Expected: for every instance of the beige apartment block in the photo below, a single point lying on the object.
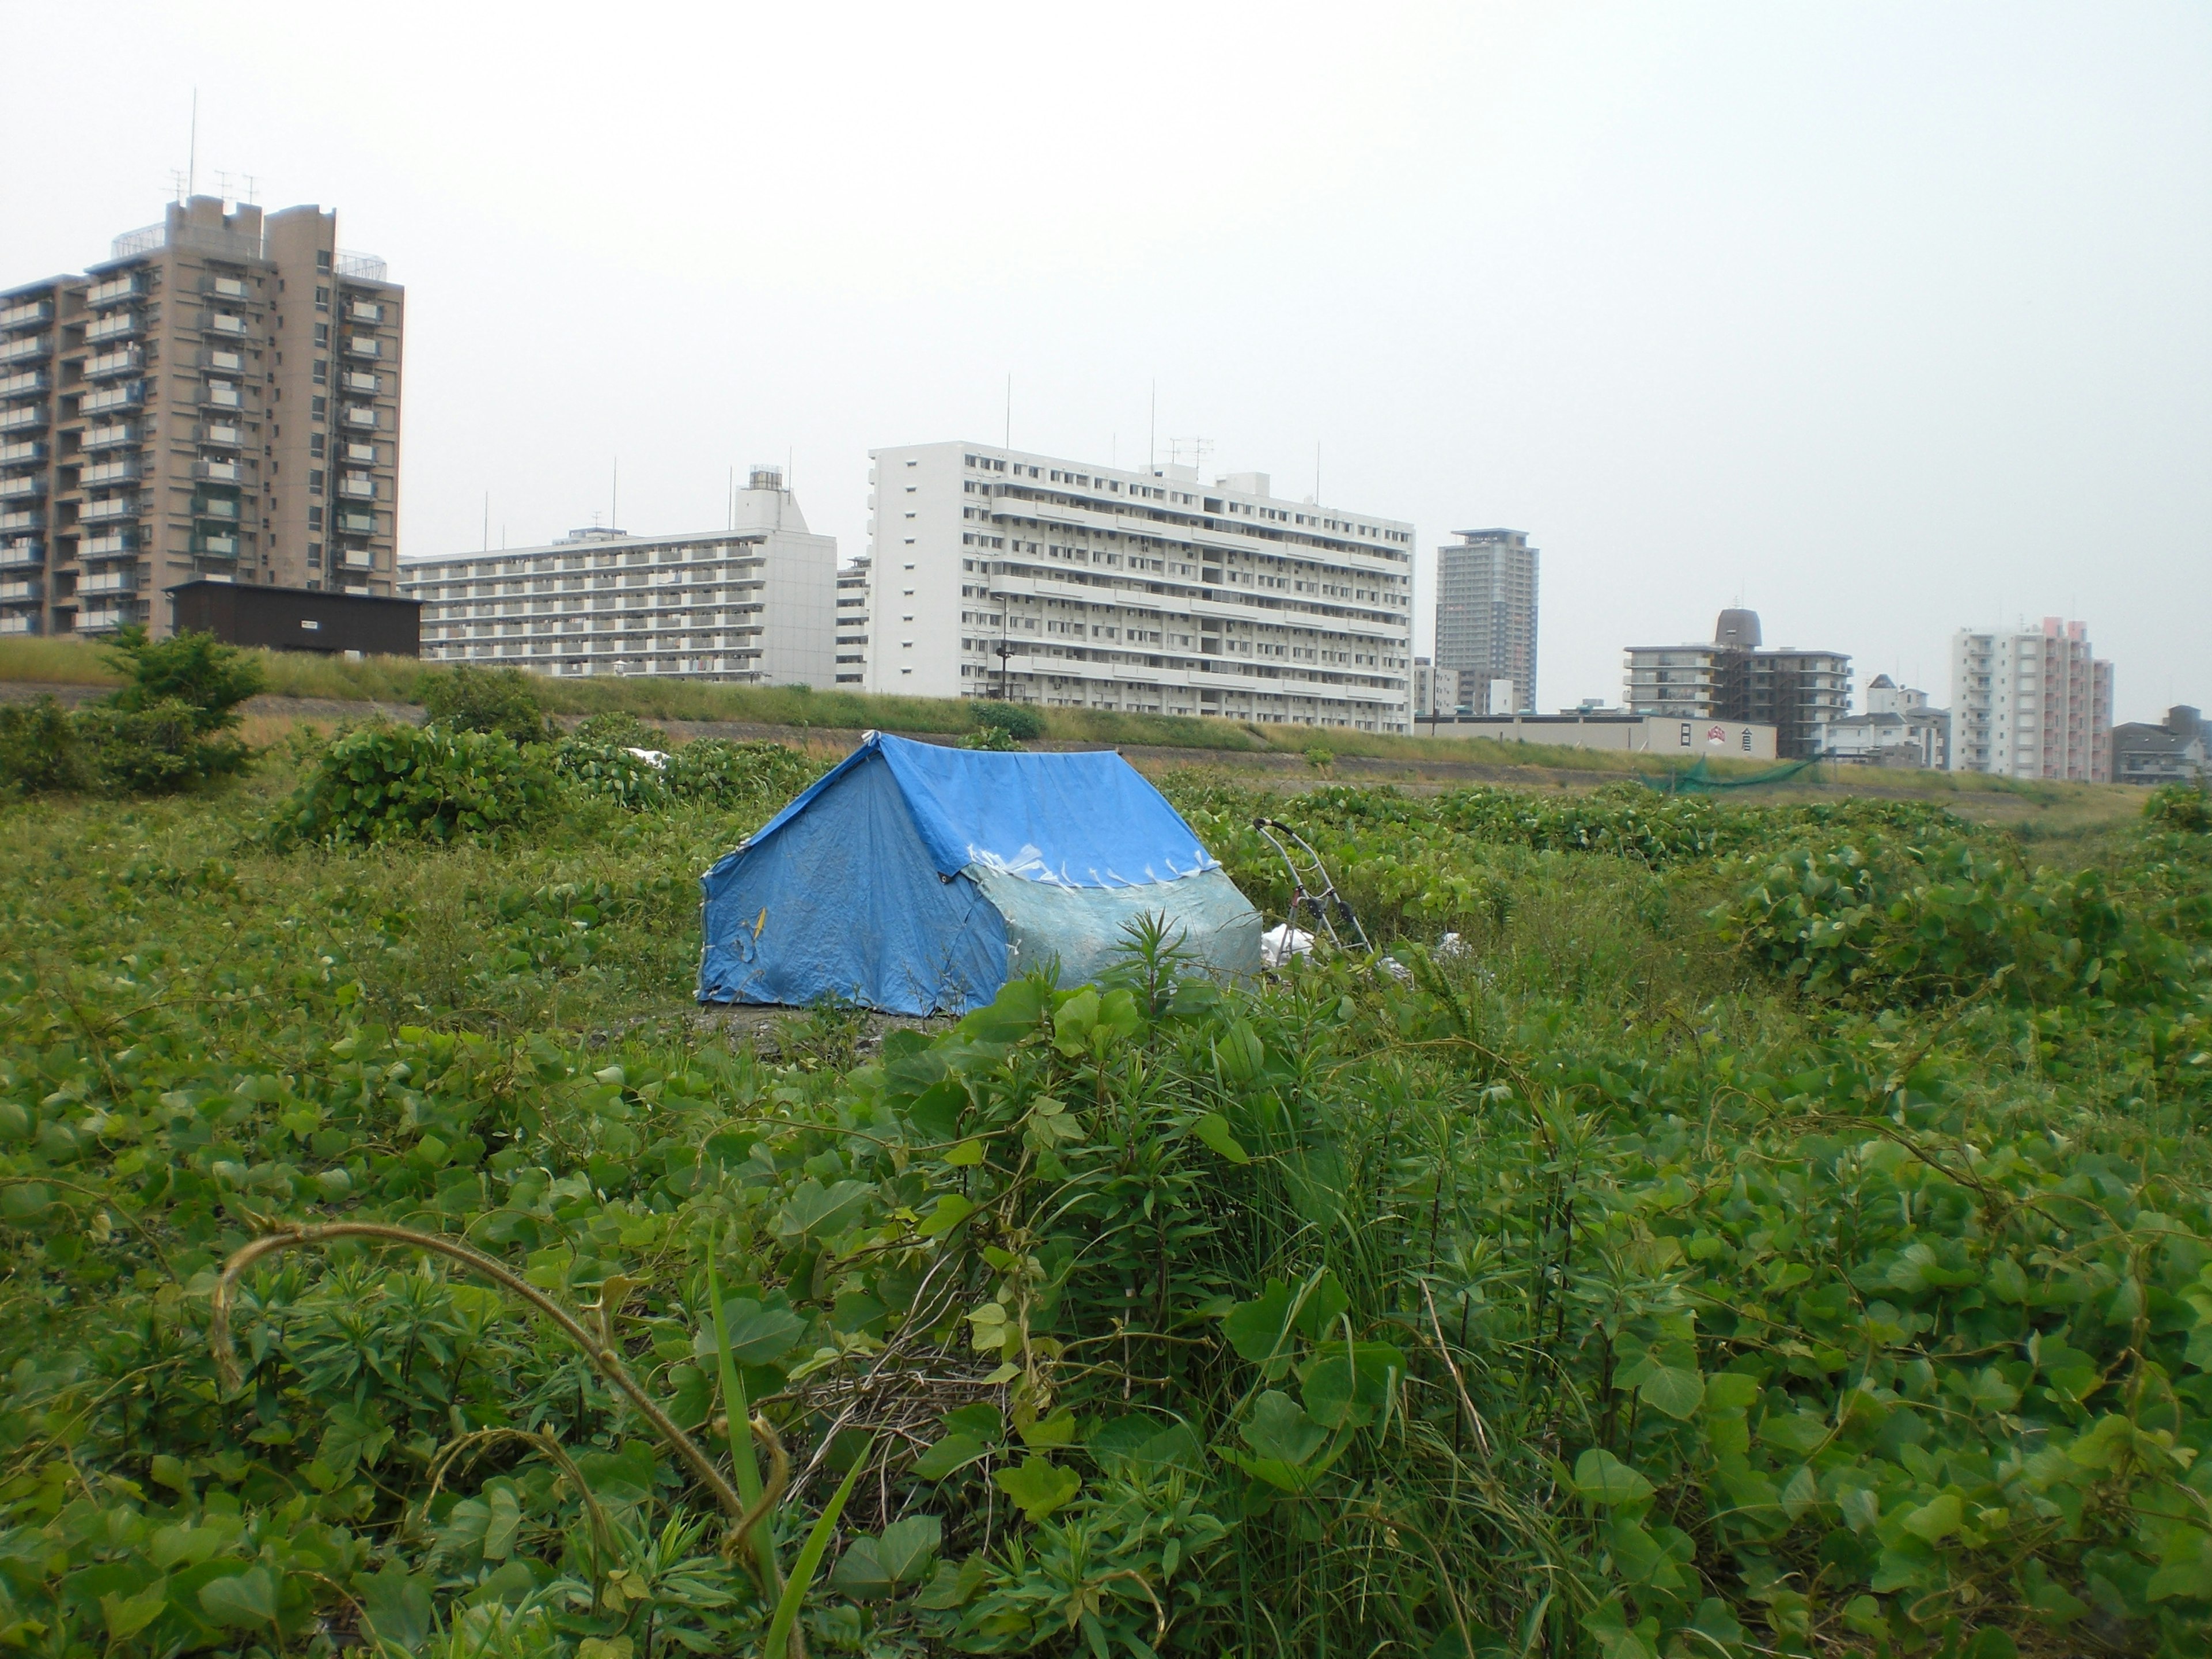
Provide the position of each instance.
(218, 399)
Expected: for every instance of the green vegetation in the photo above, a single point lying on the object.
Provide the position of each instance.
(1761, 1230)
(168, 726)
(503, 702)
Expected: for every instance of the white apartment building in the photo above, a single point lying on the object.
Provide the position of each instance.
(754, 603)
(853, 623)
(1058, 582)
(2031, 703)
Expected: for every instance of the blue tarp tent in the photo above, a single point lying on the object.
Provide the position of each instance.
(917, 879)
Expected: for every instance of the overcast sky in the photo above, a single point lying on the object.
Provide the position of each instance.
(1880, 320)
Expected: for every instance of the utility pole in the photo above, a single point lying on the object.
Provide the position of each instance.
(1005, 652)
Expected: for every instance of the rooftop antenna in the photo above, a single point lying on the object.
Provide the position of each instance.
(223, 184)
(177, 182)
(252, 189)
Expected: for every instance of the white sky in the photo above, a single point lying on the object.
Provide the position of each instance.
(1884, 319)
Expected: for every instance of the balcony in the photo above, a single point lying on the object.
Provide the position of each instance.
(116, 326)
(110, 436)
(21, 593)
(23, 452)
(110, 582)
(224, 361)
(24, 417)
(356, 558)
(353, 521)
(20, 622)
(107, 511)
(25, 383)
(107, 617)
(127, 396)
(361, 454)
(113, 364)
(23, 487)
(31, 314)
(24, 552)
(25, 348)
(23, 518)
(227, 288)
(357, 486)
(216, 544)
(228, 472)
(221, 432)
(114, 291)
(226, 322)
(363, 347)
(364, 311)
(356, 381)
(360, 418)
(123, 469)
(221, 394)
(109, 545)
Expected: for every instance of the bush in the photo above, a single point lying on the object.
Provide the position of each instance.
(611, 770)
(164, 730)
(2180, 806)
(494, 700)
(377, 783)
(991, 737)
(194, 671)
(39, 749)
(621, 729)
(732, 774)
(1016, 719)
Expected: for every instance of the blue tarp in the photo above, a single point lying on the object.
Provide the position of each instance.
(901, 879)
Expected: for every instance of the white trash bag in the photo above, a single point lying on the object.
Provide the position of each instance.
(1280, 942)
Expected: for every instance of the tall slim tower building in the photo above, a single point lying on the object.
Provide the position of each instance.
(1486, 616)
(220, 397)
(2031, 703)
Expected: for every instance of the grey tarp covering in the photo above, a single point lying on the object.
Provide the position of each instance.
(1083, 928)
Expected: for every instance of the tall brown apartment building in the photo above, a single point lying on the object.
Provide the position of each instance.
(219, 398)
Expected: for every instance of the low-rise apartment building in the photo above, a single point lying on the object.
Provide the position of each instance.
(2031, 703)
(755, 603)
(998, 571)
(2179, 750)
(1897, 728)
(1797, 692)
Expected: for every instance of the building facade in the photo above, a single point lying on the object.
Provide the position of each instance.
(1897, 728)
(753, 605)
(2031, 703)
(853, 623)
(2178, 751)
(994, 571)
(1637, 734)
(1486, 618)
(1798, 693)
(219, 399)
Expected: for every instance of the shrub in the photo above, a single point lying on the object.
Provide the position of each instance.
(2180, 806)
(376, 782)
(493, 700)
(621, 729)
(157, 748)
(1015, 719)
(611, 770)
(991, 737)
(39, 749)
(729, 773)
(194, 671)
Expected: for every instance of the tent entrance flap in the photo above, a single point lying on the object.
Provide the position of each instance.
(1084, 929)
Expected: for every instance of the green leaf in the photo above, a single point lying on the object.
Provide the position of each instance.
(1278, 1429)
(936, 1112)
(1325, 1304)
(1936, 1519)
(1672, 1390)
(1346, 1386)
(981, 1419)
(1602, 1479)
(353, 1435)
(949, 1456)
(399, 1607)
(757, 1335)
(820, 1213)
(810, 1557)
(1213, 1130)
(244, 1598)
(1239, 1052)
(625, 1477)
(1254, 1329)
(951, 1210)
(126, 1616)
(968, 1155)
(1038, 1487)
(1048, 1432)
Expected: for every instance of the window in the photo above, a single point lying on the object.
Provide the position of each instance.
(315, 515)
(322, 299)
(322, 373)
(322, 334)
(322, 262)
(318, 407)
(315, 482)
(316, 441)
